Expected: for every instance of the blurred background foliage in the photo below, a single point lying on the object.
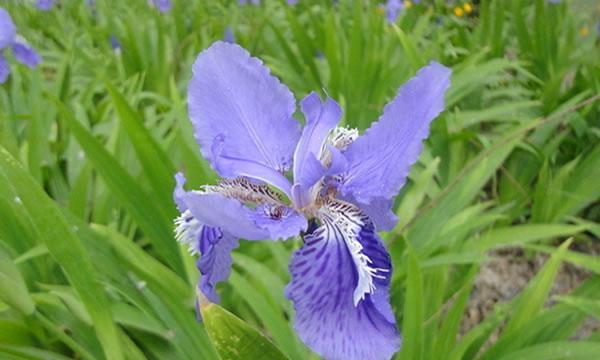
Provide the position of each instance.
(90, 140)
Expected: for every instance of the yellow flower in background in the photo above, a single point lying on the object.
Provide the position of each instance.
(468, 8)
(584, 31)
(458, 11)
(407, 4)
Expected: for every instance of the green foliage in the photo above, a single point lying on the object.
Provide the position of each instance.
(91, 139)
(233, 338)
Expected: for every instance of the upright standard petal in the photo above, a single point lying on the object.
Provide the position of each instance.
(232, 96)
(4, 69)
(25, 54)
(392, 10)
(162, 5)
(7, 29)
(115, 44)
(228, 35)
(340, 281)
(321, 118)
(45, 4)
(380, 160)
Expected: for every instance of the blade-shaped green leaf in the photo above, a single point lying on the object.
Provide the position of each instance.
(142, 207)
(233, 338)
(65, 248)
(157, 165)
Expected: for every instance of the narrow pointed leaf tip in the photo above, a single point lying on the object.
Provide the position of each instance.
(235, 339)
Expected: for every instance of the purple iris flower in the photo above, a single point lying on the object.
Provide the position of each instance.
(341, 194)
(392, 10)
(228, 35)
(115, 44)
(9, 38)
(45, 4)
(292, 2)
(162, 5)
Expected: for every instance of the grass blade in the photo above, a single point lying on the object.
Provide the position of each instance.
(66, 249)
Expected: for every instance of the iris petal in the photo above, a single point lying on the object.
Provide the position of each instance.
(7, 29)
(163, 5)
(280, 221)
(321, 118)
(45, 4)
(380, 160)
(222, 206)
(379, 210)
(218, 211)
(229, 214)
(340, 281)
(25, 54)
(215, 261)
(4, 69)
(214, 247)
(230, 167)
(232, 95)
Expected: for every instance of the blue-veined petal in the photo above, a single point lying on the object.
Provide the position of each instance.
(4, 69)
(321, 118)
(233, 95)
(340, 281)
(215, 260)
(7, 29)
(25, 54)
(380, 160)
(379, 210)
(214, 247)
